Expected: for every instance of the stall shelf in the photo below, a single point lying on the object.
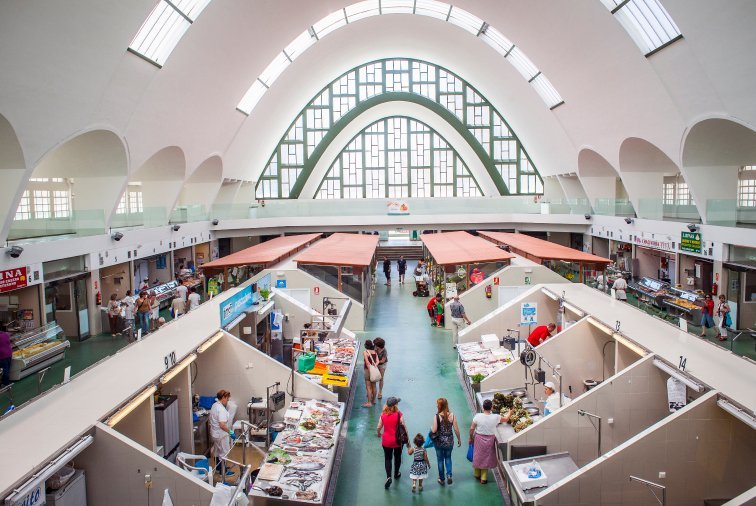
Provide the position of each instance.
(299, 465)
(687, 305)
(505, 431)
(475, 358)
(335, 363)
(554, 468)
(650, 289)
(36, 349)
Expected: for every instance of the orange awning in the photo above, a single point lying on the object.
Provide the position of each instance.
(460, 248)
(538, 249)
(356, 250)
(266, 253)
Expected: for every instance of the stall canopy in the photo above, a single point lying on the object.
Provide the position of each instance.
(356, 250)
(539, 250)
(266, 253)
(460, 248)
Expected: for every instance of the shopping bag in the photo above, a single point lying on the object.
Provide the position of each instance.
(428, 441)
(470, 452)
(727, 320)
(375, 373)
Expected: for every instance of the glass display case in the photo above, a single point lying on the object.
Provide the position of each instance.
(685, 304)
(650, 290)
(165, 293)
(36, 349)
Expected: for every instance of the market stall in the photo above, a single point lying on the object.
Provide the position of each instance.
(345, 262)
(458, 260)
(483, 358)
(684, 304)
(156, 269)
(299, 465)
(573, 264)
(237, 267)
(655, 259)
(649, 290)
(35, 349)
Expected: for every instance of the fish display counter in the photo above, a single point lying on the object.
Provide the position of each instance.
(299, 465)
(334, 366)
(481, 358)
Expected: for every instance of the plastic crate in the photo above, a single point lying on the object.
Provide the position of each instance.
(306, 361)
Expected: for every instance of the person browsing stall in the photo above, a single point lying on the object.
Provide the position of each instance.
(540, 334)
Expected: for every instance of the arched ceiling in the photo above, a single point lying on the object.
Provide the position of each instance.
(66, 71)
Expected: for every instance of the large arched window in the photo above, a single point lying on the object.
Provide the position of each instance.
(398, 157)
(398, 79)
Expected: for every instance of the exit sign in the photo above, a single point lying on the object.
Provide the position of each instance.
(690, 241)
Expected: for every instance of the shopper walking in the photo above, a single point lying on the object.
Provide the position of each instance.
(387, 270)
(401, 266)
(620, 289)
(707, 315)
(143, 311)
(127, 303)
(725, 321)
(388, 423)
(443, 439)
(458, 317)
(154, 310)
(380, 351)
(370, 358)
(420, 463)
(114, 311)
(483, 439)
(6, 357)
(193, 300)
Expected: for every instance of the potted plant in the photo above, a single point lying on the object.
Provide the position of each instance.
(264, 293)
(476, 379)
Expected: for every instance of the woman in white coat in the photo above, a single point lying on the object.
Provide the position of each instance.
(220, 430)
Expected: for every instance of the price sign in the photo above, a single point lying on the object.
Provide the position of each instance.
(335, 379)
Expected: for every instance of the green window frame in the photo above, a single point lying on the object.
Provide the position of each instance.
(291, 163)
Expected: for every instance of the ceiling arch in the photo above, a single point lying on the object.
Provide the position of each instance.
(12, 171)
(201, 188)
(161, 178)
(639, 155)
(592, 164)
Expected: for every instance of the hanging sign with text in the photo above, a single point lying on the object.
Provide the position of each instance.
(690, 241)
(13, 279)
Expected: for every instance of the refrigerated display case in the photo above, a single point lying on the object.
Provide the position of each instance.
(165, 293)
(684, 304)
(650, 289)
(36, 349)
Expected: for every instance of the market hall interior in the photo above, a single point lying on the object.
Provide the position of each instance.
(200, 202)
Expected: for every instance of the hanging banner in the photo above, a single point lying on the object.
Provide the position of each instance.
(397, 208)
(676, 394)
(235, 305)
(13, 279)
(690, 241)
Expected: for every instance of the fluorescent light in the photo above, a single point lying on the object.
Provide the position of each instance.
(207, 344)
(131, 406)
(676, 374)
(549, 294)
(575, 310)
(165, 378)
(629, 344)
(741, 414)
(604, 328)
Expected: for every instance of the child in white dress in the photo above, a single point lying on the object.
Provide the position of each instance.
(420, 463)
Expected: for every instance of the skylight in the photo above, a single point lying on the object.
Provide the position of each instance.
(164, 27)
(429, 8)
(646, 21)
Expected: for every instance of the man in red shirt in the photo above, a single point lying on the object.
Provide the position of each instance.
(540, 334)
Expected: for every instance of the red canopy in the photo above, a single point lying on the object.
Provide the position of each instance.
(356, 250)
(539, 250)
(460, 248)
(266, 253)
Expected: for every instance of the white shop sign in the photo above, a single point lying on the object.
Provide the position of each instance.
(528, 313)
(451, 290)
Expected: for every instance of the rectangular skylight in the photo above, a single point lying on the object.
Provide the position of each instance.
(432, 8)
(274, 69)
(465, 20)
(332, 22)
(397, 6)
(362, 10)
(522, 63)
(253, 95)
(646, 21)
(300, 45)
(496, 40)
(191, 8)
(547, 92)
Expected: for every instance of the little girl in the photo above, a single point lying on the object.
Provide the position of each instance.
(420, 464)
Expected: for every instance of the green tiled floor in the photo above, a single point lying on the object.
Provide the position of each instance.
(422, 367)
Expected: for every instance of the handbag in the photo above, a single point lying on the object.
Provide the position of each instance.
(470, 452)
(727, 320)
(429, 441)
(402, 438)
(434, 435)
(374, 374)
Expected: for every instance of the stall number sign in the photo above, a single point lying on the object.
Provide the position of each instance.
(169, 360)
(35, 497)
(13, 279)
(690, 241)
(528, 313)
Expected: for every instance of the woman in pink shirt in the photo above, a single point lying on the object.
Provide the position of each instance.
(388, 423)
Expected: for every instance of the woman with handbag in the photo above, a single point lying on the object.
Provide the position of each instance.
(393, 433)
(443, 439)
(725, 320)
(372, 373)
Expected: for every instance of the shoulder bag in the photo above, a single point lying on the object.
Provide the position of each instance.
(374, 374)
(402, 438)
